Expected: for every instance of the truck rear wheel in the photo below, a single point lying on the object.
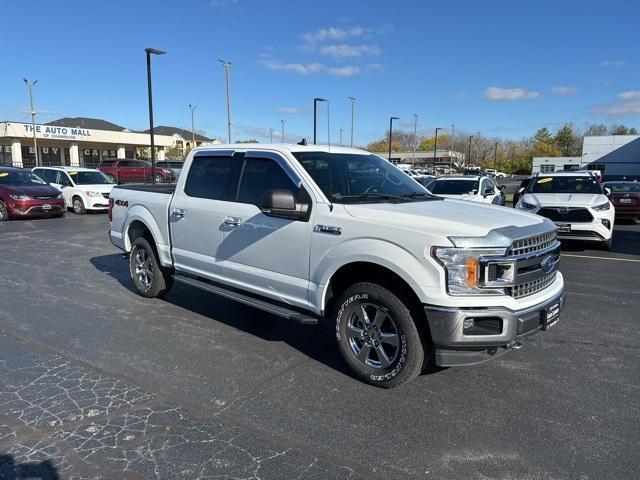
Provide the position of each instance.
(377, 335)
(149, 278)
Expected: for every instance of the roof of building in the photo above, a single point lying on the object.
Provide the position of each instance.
(90, 123)
(186, 134)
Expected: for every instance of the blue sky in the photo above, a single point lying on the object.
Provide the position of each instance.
(499, 67)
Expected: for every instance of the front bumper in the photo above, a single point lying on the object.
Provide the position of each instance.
(455, 348)
(36, 208)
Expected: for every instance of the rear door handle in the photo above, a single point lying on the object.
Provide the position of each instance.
(179, 212)
(232, 221)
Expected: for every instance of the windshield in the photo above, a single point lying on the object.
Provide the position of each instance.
(564, 185)
(17, 178)
(358, 178)
(623, 187)
(90, 178)
(454, 187)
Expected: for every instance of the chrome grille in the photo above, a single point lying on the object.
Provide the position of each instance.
(529, 288)
(532, 244)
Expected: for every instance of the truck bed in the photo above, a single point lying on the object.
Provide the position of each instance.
(146, 187)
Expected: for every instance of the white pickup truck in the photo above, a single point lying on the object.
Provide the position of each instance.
(311, 232)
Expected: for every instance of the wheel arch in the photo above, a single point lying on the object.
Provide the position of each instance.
(140, 222)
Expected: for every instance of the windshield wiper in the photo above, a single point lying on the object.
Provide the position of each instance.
(419, 194)
(373, 196)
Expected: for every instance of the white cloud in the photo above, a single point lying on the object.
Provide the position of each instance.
(288, 110)
(373, 67)
(333, 33)
(613, 63)
(628, 103)
(349, 51)
(564, 90)
(222, 3)
(301, 68)
(346, 71)
(508, 94)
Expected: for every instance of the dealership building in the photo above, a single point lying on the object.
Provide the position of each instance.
(84, 142)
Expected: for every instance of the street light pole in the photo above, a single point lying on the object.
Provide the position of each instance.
(391, 119)
(495, 159)
(282, 122)
(453, 133)
(469, 155)
(33, 118)
(353, 107)
(271, 134)
(340, 137)
(227, 68)
(415, 136)
(435, 147)
(149, 52)
(315, 112)
(193, 130)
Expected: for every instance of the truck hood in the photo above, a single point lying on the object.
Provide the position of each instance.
(444, 217)
(565, 199)
(463, 196)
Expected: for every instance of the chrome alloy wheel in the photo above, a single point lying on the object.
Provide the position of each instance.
(373, 336)
(143, 269)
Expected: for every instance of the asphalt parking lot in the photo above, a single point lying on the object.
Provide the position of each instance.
(98, 382)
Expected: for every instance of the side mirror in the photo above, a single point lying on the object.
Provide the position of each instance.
(488, 191)
(607, 191)
(282, 204)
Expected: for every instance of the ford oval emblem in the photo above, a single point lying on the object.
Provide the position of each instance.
(548, 263)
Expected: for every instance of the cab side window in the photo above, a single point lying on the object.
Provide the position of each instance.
(63, 180)
(210, 177)
(260, 175)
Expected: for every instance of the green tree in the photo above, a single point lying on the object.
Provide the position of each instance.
(622, 130)
(567, 141)
(543, 135)
(381, 146)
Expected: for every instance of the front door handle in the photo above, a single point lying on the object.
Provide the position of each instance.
(232, 221)
(179, 212)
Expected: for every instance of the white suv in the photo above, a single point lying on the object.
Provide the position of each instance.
(82, 188)
(475, 188)
(575, 201)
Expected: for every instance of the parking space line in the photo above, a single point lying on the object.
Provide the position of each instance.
(601, 258)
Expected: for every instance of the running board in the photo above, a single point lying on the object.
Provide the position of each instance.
(278, 310)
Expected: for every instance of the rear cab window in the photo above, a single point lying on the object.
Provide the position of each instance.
(211, 177)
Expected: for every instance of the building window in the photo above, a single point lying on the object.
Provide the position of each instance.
(6, 159)
(90, 157)
(547, 168)
(28, 157)
(50, 156)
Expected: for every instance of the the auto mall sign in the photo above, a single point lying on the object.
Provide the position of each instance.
(57, 133)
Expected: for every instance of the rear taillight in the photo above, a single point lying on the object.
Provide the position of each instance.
(110, 208)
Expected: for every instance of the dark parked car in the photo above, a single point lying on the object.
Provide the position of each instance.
(125, 170)
(625, 196)
(175, 166)
(24, 194)
(518, 193)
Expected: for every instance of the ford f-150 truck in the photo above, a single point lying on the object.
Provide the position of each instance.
(313, 232)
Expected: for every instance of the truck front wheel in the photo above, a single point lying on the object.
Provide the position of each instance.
(149, 278)
(377, 335)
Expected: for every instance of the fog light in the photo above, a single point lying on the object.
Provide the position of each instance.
(606, 223)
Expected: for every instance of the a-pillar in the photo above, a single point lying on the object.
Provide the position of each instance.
(74, 156)
(121, 153)
(16, 153)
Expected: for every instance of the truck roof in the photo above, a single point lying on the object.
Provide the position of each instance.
(283, 148)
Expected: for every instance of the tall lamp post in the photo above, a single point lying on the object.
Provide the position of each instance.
(469, 154)
(271, 134)
(453, 133)
(227, 68)
(353, 107)
(149, 52)
(435, 147)
(33, 118)
(391, 119)
(341, 137)
(193, 129)
(315, 112)
(495, 158)
(282, 122)
(415, 136)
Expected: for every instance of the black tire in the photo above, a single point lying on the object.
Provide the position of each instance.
(4, 214)
(149, 278)
(402, 357)
(159, 179)
(78, 206)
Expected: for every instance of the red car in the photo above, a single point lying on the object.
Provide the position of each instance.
(24, 194)
(125, 170)
(625, 196)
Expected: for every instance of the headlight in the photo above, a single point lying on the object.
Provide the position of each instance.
(603, 207)
(93, 194)
(527, 206)
(20, 197)
(463, 269)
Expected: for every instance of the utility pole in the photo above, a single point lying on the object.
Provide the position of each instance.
(227, 68)
(149, 52)
(282, 122)
(315, 115)
(453, 132)
(495, 159)
(469, 155)
(353, 107)
(193, 130)
(33, 118)
(271, 134)
(435, 147)
(340, 137)
(415, 137)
